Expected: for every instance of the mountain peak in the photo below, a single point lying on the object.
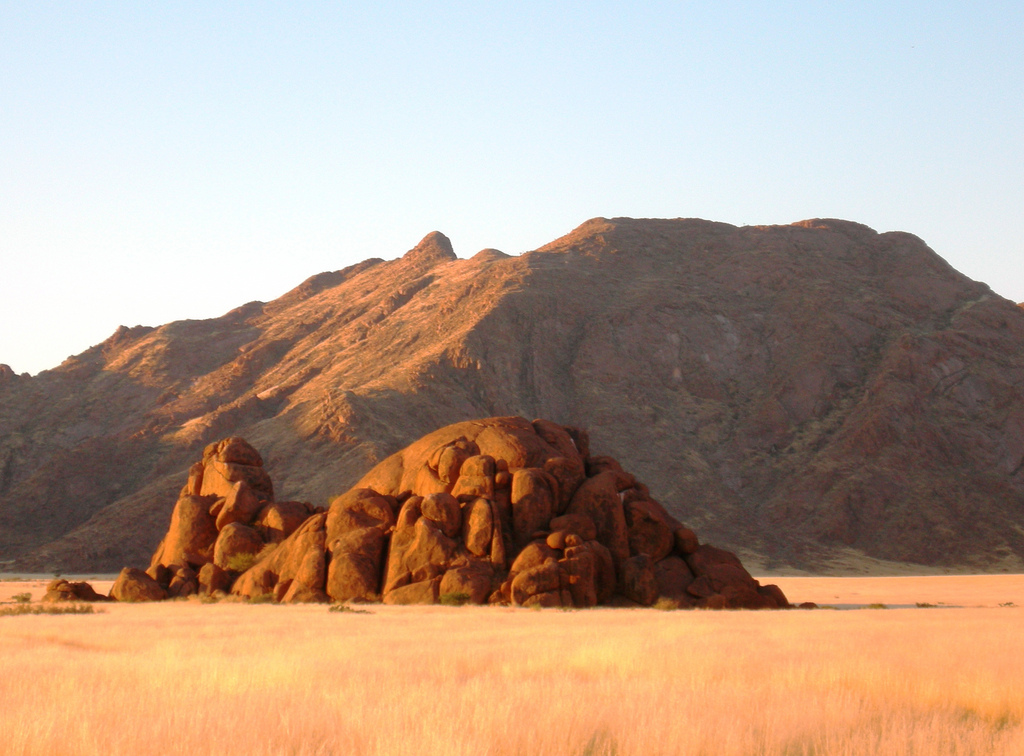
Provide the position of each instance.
(433, 246)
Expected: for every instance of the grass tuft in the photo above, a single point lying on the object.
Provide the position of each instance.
(455, 598)
(261, 598)
(21, 609)
(347, 609)
(601, 743)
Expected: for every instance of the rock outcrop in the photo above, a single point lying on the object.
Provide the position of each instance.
(812, 394)
(64, 590)
(224, 521)
(500, 510)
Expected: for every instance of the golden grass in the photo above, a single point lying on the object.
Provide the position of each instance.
(184, 677)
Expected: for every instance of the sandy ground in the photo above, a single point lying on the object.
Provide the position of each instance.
(12, 585)
(904, 591)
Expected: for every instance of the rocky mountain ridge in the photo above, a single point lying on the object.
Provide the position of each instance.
(795, 392)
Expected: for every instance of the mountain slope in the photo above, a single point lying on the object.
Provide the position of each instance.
(831, 387)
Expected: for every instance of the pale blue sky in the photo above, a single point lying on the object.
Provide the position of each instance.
(168, 161)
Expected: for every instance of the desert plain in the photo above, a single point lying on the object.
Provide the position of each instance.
(939, 670)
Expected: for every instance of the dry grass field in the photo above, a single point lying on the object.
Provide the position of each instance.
(191, 678)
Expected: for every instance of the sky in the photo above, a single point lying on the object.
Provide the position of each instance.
(163, 161)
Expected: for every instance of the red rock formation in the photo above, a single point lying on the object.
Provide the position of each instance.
(425, 526)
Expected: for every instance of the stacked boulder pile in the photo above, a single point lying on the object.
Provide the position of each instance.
(224, 519)
(500, 511)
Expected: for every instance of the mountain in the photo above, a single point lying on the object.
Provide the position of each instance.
(806, 394)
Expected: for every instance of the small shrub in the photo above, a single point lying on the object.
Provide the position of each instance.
(20, 609)
(262, 598)
(456, 598)
(924, 605)
(1008, 605)
(22, 598)
(241, 562)
(601, 743)
(666, 604)
(877, 606)
(347, 609)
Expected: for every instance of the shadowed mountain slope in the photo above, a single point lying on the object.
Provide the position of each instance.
(797, 392)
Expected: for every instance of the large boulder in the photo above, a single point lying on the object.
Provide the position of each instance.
(719, 573)
(569, 467)
(307, 584)
(444, 512)
(355, 566)
(359, 508)
(580, 567)
(476, 478)
(704, 558)
(240, 505)
(64, 590)
(546, 578)
(533, 555)
(775, 595)
(598, 499)
(447, 460)
(238, 451)
(135, 585)
(296, 557)
(231, 461)
(672, 576)
(534, 502)
(472, 580)
(237, 547)
(650, 531)
(605, 578)
(420, 552)
(511, 440)
(478, 527)
(183, 581)
(638, 580)
(420, 592)
(191, 535)
(212, 580)
(278, 520)
(580, 524)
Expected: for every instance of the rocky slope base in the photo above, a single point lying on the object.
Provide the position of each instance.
(500, 511)
(795, 392)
